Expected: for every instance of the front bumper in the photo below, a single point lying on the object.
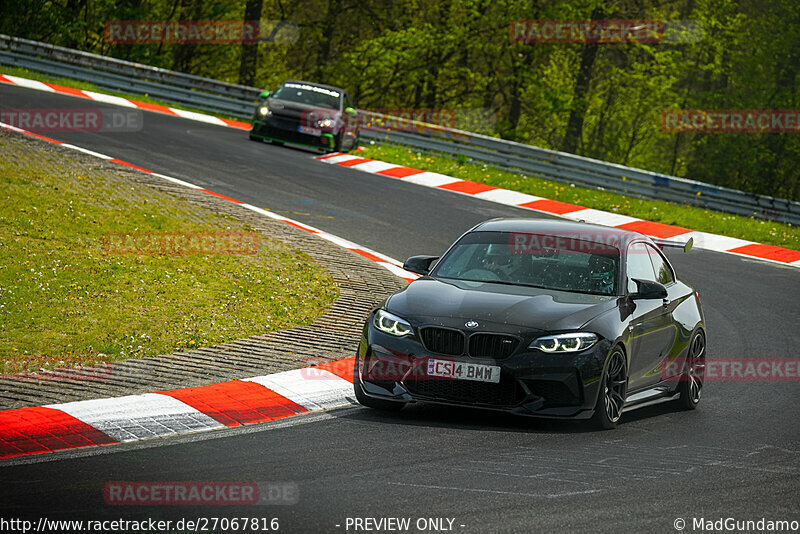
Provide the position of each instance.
(531, 383)
(276, 128)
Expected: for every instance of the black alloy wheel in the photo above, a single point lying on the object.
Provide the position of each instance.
(691, 386)
(613, 386)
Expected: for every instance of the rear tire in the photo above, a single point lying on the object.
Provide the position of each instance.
(277, 143)
(613, 387)
(691, 383)
(369, 402)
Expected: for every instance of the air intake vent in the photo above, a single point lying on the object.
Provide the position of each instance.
(506, 393)
(495, 346)
(443, 341)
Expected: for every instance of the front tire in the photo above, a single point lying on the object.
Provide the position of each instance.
(369, 402)
(691, 385)
(613, 387)
(338, 142)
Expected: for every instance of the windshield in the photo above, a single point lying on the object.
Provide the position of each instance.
(309, 94)
(526, 259)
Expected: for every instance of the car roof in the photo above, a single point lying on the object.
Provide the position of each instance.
(562, 228)
(322, 85)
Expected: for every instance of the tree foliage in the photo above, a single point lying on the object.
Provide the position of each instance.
(599, 100)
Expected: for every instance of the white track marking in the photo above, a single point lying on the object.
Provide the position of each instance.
(375, 166)
(315, 389)
(341, 157)
(87, 151)
(430, 179)
(30, 84)
(505, 196)
(108, 99)
(176, 181)
(600, 217)
(202, 117)
(136, 417)
(719, 243)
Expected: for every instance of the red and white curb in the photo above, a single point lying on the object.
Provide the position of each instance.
(25, 431)
(119, 101)
(435, 180)
(41, 429)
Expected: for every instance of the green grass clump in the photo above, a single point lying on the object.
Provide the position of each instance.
(66, 299)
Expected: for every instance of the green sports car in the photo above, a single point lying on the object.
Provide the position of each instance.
(305, 113)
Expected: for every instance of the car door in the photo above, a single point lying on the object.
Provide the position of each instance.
(666, 276)
(652, 332)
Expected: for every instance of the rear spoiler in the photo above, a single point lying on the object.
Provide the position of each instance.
(686, 246)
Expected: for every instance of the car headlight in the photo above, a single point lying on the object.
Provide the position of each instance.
(574, 342)
(263, 110)
(325, 123)
(391, 324)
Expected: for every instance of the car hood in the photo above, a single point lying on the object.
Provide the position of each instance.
(452, 302)
(296, 109)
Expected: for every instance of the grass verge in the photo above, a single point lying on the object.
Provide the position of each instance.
(76, 84)
(750, 228)
(65, 298)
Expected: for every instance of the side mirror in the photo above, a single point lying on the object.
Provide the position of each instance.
(265, 94)
(647, 289)
(419, 264)
(350, 110)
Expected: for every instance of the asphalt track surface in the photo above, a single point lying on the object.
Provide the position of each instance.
(737, 456)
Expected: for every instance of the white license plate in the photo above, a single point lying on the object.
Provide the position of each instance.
(464, 371)
(309, 131)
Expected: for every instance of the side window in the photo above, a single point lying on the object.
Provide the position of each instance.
(663, 272)
(639, 265)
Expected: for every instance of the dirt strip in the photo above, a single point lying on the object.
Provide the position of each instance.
(335, 335)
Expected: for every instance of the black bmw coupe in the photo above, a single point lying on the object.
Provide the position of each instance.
(541, 318)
